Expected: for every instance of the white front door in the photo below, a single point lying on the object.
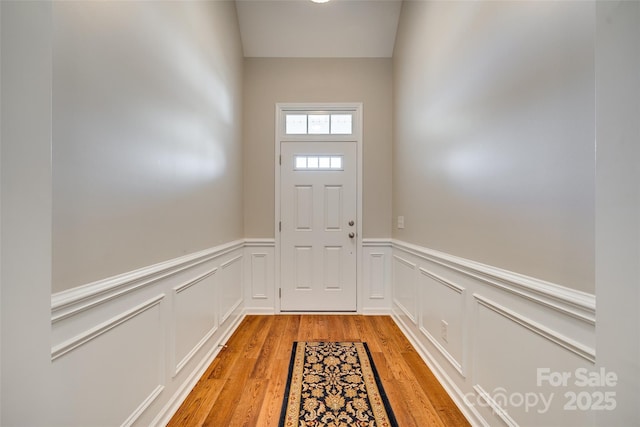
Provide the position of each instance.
(318, 212)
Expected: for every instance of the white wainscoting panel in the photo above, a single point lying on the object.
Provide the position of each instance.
(94, 372)
(128, 349)
(509, 352)
(260, 291)
(405, 287)
(194, 320)
(442, 316)
(376, 276)
(230, 295)
(502, 330)
(258, 268)
(259, 276)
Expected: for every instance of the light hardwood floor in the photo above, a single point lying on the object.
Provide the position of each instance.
(244, 385)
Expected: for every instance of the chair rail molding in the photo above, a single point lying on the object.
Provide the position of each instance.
(578, 304)
(71, 302)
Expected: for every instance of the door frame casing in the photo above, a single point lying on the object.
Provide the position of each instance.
(281, 109)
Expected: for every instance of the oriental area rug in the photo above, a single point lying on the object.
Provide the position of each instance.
(334, 384)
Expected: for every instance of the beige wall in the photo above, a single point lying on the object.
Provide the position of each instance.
(147, 151)
(25, 213)
(618, 204)
(272, 80)
(494, 147)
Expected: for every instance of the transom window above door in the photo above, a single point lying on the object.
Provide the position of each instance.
(318, 123)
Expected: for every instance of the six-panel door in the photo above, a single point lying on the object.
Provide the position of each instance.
(318, 237)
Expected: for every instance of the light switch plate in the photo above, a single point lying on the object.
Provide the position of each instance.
(401, 222)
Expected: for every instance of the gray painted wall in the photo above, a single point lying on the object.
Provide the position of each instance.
(147, 150)
(272, 80)
(618, 204)
(517, 123)
(25, 269)
(494, 143)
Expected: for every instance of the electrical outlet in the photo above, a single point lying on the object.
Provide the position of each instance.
(400, 222)
(443, 330)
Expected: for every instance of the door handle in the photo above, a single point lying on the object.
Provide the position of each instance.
(352, 235)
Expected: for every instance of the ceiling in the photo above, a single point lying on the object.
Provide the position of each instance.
(303, 29)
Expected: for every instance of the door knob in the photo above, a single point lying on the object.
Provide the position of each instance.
(351, 223)
(352, 235)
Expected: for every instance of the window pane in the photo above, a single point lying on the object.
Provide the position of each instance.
(296, 124)
(301, 162)
(324, 162)
(341, 124)
(318, 123)
(318, 163)
(312, 162)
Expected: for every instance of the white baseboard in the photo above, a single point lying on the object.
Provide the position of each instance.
(376, 312)
(259, 311)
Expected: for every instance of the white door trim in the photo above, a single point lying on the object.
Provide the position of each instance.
(357, 137)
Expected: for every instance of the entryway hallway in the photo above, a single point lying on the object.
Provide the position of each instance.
(244, 386)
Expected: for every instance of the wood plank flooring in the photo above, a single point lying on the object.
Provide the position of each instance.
(244, 385)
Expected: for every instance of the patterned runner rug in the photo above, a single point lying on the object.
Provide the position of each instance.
(334, 384)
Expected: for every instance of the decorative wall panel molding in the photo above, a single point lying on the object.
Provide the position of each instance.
(374, 292)
(570, 302)
(194, 323)
(185, 308)
(510, 354)
(230, 296)
(488, 400)
(143, 406)
(121, 361)
(376, 276)
(141, 340)
(587, 353)
(405, 289)
(73, 301)
(259, 276)
(442, 317)
(486, 331)
(95, 332)
(258, 279)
